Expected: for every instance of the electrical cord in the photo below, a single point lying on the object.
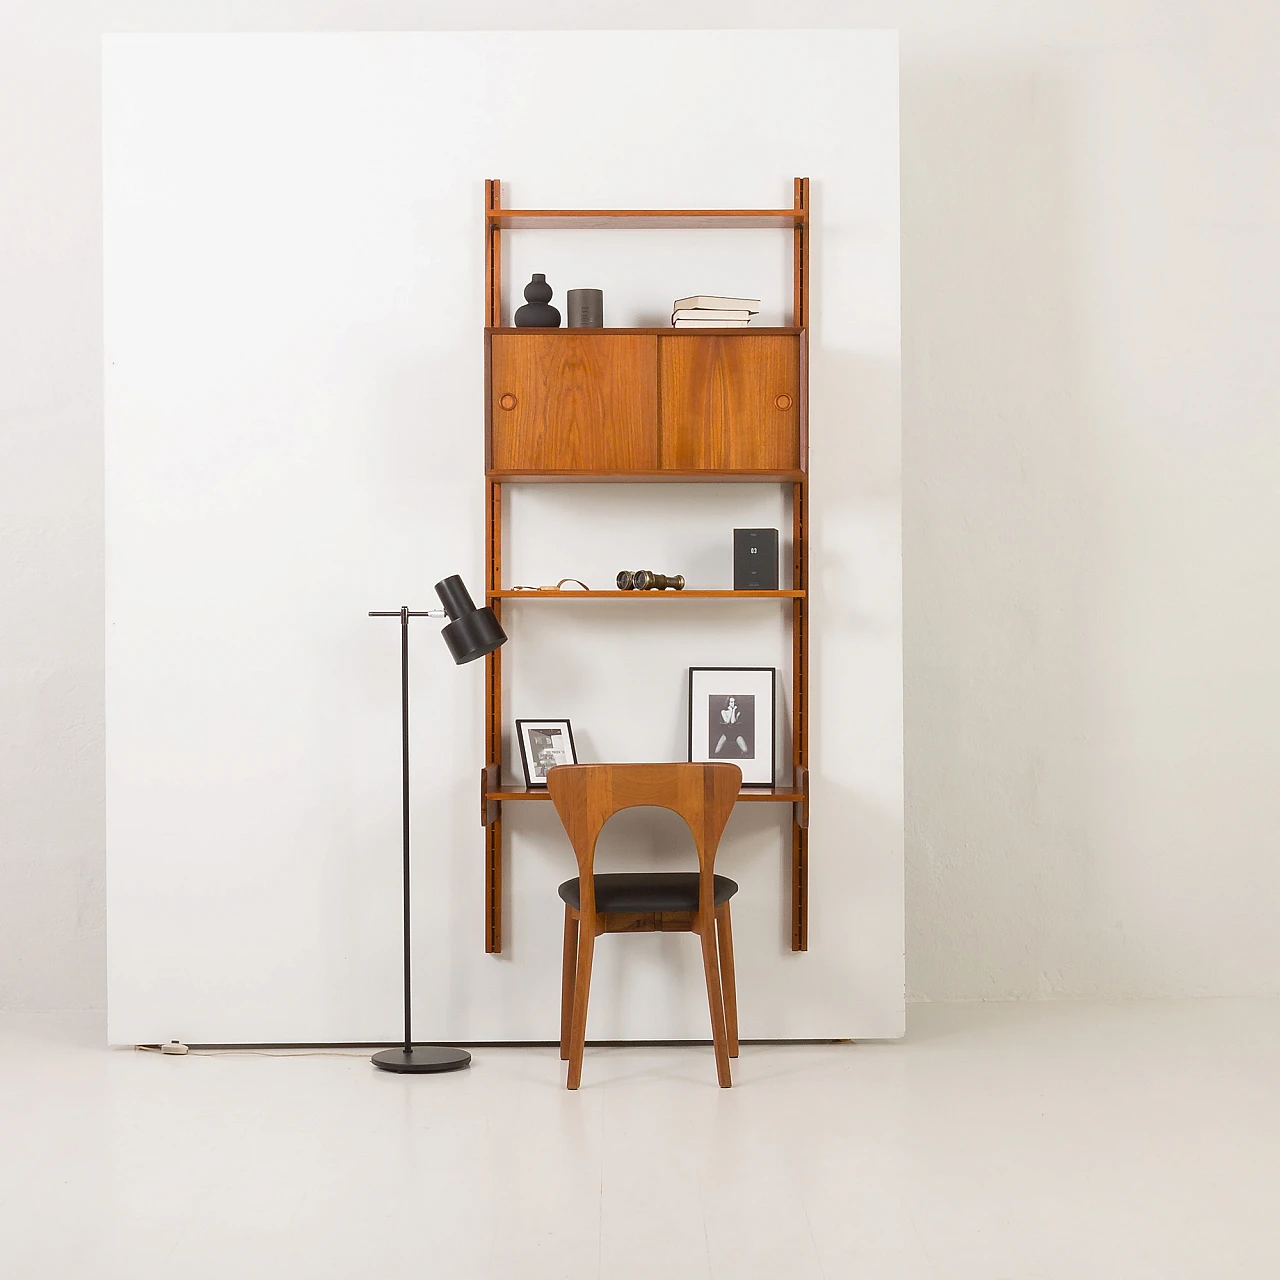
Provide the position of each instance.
(183, 1050)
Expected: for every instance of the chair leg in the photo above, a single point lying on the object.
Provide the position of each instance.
(569, 972)
(715, 1000)
(724, 938)
(581, 992)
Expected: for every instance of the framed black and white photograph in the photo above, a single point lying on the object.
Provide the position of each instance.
(543, 745)
(732, 716)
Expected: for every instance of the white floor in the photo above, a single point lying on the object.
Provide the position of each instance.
(1027, 1142)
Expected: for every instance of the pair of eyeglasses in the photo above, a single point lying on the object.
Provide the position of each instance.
(559, 586)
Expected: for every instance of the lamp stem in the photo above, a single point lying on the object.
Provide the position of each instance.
(404, 762)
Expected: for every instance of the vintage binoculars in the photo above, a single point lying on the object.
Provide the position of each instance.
(646, 580)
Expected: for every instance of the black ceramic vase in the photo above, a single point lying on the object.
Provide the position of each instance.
(537, 313)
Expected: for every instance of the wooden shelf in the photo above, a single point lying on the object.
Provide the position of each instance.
(667, 331)
(687, 476)
(630, 595)
(780, 795)
(678, 219)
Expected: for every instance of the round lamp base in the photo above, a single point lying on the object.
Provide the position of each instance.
(421, 1059)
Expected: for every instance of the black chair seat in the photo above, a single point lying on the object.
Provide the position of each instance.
(647, 891)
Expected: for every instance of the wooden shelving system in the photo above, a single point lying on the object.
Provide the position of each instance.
(648, 404)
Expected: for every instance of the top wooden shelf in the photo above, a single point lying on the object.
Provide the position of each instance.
(665, 330)
(722, 219)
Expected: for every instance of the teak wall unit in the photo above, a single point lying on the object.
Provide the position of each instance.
(626, 405)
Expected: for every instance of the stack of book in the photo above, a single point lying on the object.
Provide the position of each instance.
(706, 312)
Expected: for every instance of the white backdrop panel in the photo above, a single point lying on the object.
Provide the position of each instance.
(294, 394)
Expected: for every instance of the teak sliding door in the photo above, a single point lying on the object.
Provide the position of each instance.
(574, 401)
(730, 402)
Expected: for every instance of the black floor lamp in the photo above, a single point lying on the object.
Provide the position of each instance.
(470, 634)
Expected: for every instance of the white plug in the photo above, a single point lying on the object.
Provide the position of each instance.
(174, 1046)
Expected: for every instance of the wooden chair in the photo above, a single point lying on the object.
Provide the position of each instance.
(586, 796)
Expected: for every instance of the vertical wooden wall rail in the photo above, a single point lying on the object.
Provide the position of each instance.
(492, 256)
(800, 581)
(493, 727)
(800, 257)
(800, 714)
(493, 582)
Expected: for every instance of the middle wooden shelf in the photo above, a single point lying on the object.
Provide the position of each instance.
(650, 595)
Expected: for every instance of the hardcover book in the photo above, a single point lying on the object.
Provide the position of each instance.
(710, 313)
(701, 301)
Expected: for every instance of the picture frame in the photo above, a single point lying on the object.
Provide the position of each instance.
(733, 716)
(544, 744)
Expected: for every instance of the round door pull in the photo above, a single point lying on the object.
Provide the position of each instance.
(507, 401)
(783, 401)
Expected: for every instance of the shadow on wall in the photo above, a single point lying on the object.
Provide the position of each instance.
(1002, 538)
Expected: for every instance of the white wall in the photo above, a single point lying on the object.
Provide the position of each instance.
(1089, 276)
(294, 405)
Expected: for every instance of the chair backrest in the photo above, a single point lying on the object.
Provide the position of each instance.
(586, 796)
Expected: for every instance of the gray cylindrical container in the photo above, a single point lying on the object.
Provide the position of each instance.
(584, 309)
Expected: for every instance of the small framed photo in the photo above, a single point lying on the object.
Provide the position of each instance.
(732, 717)
(544, 744)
